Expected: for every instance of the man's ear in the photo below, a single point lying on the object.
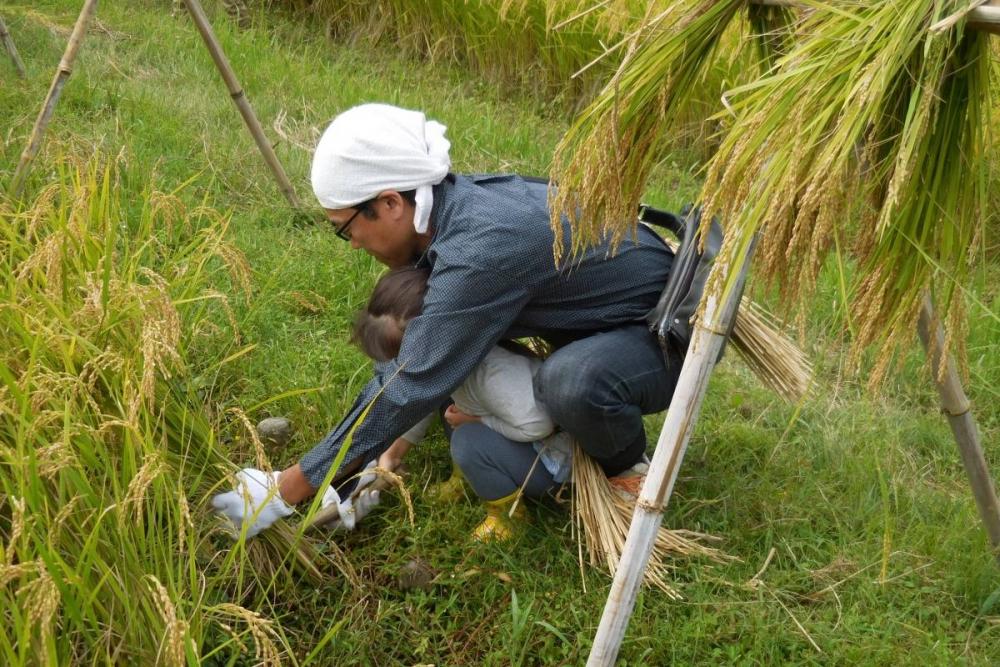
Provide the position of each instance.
(393, 200)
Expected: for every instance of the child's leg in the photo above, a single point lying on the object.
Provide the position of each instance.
(495, 466)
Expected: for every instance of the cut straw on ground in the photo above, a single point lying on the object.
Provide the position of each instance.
(602, 517)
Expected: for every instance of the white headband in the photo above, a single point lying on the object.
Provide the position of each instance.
(372, 148)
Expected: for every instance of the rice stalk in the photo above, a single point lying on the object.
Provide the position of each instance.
(873, 127)
(16, 528)
(135, 494)
(262, 461)
(40, 597)
(9, 573)
(262, 632)
(603, 517)
(173, 645)
(771, 29)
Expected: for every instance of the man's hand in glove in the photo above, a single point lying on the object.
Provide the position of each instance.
(355, 507)
(255, 501)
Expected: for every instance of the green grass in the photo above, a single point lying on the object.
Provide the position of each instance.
(878, 552)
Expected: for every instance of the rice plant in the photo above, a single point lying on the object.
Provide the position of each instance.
(109, 550)
(524, 44)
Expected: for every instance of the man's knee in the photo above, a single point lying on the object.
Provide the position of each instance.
(568, 387)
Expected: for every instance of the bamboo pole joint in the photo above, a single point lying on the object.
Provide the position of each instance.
(650, 506)
(956, 405)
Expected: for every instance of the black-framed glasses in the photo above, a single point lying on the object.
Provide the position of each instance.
(342, 230)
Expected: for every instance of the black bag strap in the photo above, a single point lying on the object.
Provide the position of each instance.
(670, 320)
(666, 219)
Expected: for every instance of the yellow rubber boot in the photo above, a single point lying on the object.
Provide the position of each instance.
(500, 523)
(451, 490)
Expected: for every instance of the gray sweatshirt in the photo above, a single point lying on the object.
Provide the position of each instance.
(500, 392)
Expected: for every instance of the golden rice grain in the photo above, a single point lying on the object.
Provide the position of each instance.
(172, 645)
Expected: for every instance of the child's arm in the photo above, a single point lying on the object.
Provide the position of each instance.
(392, 457)
(455, 417)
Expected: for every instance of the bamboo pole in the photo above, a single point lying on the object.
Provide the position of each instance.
(8, 43)
(674, 436)
(956, 406)
(48, 107)
(241, 101)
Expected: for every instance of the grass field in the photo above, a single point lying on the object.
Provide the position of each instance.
(855, 531)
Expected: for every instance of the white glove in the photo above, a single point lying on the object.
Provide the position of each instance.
(353, 508)
(255, 500)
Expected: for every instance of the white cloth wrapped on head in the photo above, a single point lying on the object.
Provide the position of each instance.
(371, 148)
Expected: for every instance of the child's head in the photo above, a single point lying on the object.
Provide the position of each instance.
(398, 297)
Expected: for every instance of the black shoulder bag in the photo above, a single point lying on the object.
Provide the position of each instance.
(670, 320)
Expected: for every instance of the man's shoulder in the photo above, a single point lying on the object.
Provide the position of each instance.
(511, 188)
(496, 216)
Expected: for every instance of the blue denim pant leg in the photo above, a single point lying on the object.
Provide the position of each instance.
(598, 388)
(495, 466)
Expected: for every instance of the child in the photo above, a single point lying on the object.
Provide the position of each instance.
(499, 428)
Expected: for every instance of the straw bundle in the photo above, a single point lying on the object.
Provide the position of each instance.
(776, 361)
(602, 517)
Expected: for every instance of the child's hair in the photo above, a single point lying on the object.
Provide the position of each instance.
(398, 297)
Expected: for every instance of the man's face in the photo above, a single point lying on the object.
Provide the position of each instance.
(385, 231)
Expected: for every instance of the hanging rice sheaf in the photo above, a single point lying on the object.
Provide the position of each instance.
(869, 134)
(865, 133)
(604, 161)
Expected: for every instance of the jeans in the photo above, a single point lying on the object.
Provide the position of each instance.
(495, 466)
(597, 389)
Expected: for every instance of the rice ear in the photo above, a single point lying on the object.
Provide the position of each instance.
(842, 146)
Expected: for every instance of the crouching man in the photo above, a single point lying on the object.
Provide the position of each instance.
(382, 174)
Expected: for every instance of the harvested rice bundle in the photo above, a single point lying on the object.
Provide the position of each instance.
(871, 133)
(772, 356)
(602, 516)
